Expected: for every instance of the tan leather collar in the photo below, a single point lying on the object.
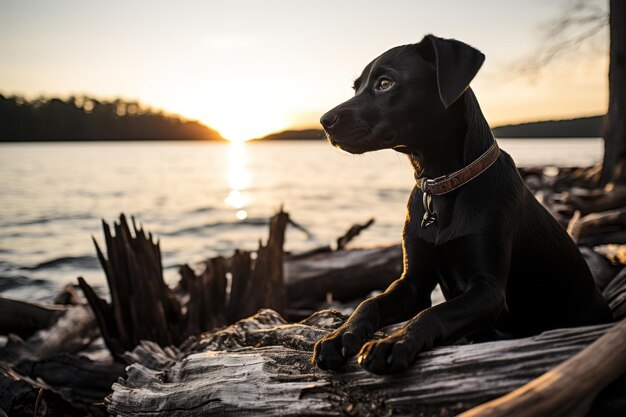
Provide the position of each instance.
(446, 183)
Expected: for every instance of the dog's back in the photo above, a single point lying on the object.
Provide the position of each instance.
(550, 285)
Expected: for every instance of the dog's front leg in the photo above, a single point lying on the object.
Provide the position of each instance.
(478, 307)
(402, 300)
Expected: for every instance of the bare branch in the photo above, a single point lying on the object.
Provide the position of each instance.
(579, 22)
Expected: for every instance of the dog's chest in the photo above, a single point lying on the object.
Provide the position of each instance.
(447, 225)
(452, 270)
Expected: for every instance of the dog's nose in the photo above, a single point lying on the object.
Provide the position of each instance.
(329, 120)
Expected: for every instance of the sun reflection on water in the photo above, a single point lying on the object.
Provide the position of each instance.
(238, 177)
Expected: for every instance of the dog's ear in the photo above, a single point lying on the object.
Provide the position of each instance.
(455, 63)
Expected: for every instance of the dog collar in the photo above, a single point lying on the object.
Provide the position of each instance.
(450, 182)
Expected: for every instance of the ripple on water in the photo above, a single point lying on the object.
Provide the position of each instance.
(80, 262)
(49, 219)
(202, 229)
(17, 281)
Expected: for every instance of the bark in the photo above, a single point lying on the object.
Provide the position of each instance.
(614, 163)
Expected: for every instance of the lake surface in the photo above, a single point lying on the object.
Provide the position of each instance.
(202, 199)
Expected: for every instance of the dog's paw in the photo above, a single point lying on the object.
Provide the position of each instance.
(388, 356)
(334, 350)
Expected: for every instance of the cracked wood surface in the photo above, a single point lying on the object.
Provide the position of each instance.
(261, 366)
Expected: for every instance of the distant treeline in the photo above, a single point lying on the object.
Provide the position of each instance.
(306, 134)
(87, 118)
(583, 127)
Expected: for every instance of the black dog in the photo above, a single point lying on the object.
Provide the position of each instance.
(504, 264)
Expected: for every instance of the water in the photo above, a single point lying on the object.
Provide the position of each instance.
(201, 199)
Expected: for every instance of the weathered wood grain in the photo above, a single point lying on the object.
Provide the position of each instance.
(142, 306)
(261, 366)
(615, 294)
(569, 389)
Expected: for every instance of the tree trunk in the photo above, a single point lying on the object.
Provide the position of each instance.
(614, 164)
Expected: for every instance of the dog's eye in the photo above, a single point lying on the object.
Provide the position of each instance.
(384, 84)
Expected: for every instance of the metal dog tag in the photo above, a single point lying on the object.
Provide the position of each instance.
(430, 216)
(428, 219)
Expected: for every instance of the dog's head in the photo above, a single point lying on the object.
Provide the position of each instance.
(401, 97)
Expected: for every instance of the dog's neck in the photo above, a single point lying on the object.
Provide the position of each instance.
(463, 136)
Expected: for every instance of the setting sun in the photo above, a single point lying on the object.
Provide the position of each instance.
(240, 108)
(254, 123)
(236, 117)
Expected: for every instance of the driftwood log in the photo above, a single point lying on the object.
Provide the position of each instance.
(24, 319)
(570, 388)
(46, 369)
(261, 366)
(74, 329)
(346, 274)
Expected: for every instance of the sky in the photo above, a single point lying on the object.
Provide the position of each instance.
(248, 68)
